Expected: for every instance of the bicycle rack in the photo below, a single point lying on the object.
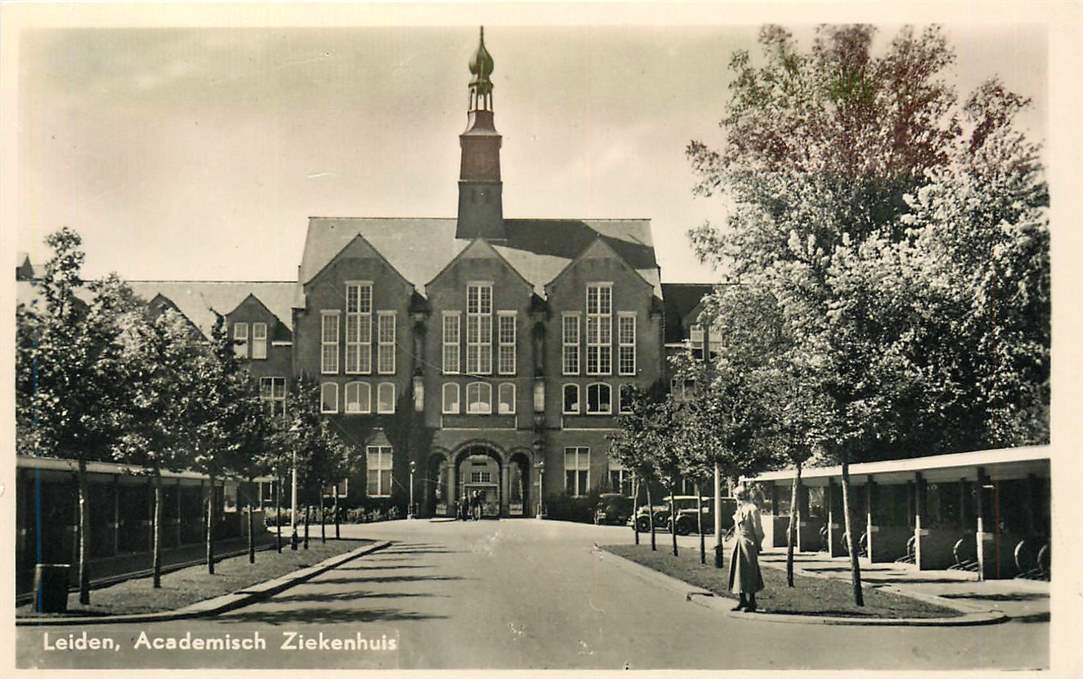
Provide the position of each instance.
(1031, 565)
(963, 549)
(911, 549)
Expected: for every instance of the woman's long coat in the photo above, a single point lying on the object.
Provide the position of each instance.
(745, 576)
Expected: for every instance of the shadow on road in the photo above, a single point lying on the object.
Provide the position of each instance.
(1014, 596)
(385, 578)
(326, 616)
(352, 596)
(378, 568)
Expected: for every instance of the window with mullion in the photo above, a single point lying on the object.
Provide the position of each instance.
(329, 342)
(626, 343)
(599, 328)
(378, 466)
(505, 335)
(570, 344)
(451, 343)
(577, 471)
(385, 338)
(359, 328)
(479, 328)
(240, 340)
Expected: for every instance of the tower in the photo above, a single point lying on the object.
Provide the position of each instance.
(481, 212)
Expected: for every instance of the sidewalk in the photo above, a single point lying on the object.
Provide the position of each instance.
(1021, 600)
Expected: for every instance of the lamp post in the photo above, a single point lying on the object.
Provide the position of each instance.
(293, 489)
(410, 511)
(541, 490)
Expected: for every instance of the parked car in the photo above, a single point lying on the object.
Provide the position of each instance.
(613, 508)
(686, 507)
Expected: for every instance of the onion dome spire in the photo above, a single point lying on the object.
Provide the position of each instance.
(481, 87)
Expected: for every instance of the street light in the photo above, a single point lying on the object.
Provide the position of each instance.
(293, 489)
(410, 512)
(541, 490)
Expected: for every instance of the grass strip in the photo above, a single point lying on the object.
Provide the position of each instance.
(193, 584)
(808, 596)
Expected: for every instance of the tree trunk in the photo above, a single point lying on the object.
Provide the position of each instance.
(855, 567)
(791, 532)
(323, 523)
(718, 533)
(699, 525)
(251, 527)
(156, 579)
(635, 499)
(84, 535)
(278, 513)
(334, 508)
(210, 527)
(673, 518)
(308, 512)
(650, 515)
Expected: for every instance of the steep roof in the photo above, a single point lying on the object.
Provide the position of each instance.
(539, 249)
(680, 299)
(198, 300)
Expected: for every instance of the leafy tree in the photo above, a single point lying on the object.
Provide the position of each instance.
(156, 353)
(895, 231)
(255, 434)
(633, 444)
(211, 412)
(67, 368)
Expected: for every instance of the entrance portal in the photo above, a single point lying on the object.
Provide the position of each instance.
(479, 474)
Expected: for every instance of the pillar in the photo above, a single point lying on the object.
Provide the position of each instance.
(872, 514)
(986, 551)
(920, 519)
(116, 514)
(836, 522)
(180, 514)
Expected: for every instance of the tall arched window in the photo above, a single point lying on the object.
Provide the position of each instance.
(599, 399)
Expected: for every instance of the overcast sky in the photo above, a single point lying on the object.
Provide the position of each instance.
(200, 153)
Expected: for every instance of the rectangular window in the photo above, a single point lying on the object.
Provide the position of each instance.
(626, 343)
(620, 479)
(577, 471)
(505, 335)
(479, 328)
(481, 477)
(627, 392)
(240, 340)
(385, 337)
(359, 328)
(328, 397)
(599, 328)
(385, 398)
(506, 398)
(272, 391)
(451, 343)
(358, 398)
(329, 342)
(570, 344)
(695, 337)
(479, 398)
(451, 399)
(571, 399)
(259, 340)
(599, 399)
(378, 466)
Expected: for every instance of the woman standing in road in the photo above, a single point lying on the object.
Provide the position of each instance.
(745, 577)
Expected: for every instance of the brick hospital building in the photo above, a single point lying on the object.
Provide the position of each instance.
(489, 353)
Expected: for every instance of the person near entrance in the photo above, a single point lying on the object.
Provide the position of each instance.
(745, 578)
(476, 501)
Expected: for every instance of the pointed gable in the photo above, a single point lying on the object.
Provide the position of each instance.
(598, 249)
(480, 249)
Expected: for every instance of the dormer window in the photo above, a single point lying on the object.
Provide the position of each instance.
(240, 340)
(259, 340)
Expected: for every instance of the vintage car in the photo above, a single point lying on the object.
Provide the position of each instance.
(687, 521)
(613, 508)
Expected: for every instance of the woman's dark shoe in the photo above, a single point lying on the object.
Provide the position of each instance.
(739, 607)
(751, 608)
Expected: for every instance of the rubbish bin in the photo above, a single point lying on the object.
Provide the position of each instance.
(51, 587)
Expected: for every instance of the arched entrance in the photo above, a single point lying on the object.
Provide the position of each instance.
(519, 484)
(479, 469)
(439, 497)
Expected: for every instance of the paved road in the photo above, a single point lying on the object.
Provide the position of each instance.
(527, 594)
